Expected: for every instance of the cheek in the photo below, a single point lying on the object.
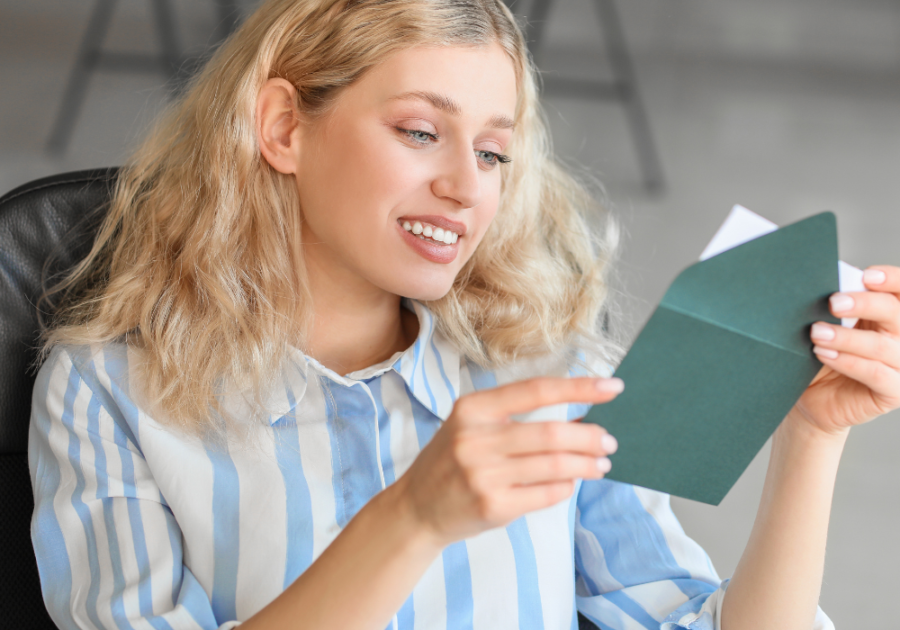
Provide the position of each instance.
(485, 214)
(372, 169)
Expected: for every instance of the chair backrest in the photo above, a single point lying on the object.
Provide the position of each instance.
(52, 219)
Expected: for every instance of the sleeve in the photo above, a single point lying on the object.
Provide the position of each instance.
(109, 550)
(637, 570)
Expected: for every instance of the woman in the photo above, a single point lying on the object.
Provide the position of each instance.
(280, 388)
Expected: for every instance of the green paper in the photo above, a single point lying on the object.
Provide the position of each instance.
(721, 361)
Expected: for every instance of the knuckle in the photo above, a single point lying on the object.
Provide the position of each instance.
(552, 434)
(882, 374)
(543, 391)
(460, 447)
(559, 491)
(894, 309)
(487, 509)
(474, 481)
(849, 361)
(596, 439)
(882, 346)
(463, 407)
(556, 466)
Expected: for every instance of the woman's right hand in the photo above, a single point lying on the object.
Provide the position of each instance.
(484, 470)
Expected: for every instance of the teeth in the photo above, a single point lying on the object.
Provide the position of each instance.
(435, 233)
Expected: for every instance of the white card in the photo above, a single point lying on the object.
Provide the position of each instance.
(743, 226)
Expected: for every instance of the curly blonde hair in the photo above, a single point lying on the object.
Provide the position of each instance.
(198, 262)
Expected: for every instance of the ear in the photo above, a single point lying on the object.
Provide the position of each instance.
(278, 125)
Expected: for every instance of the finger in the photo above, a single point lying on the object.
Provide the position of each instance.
(523, 499)
(545, 468)
(543, 437)
(878, 377)
(868, 344)
(882, 278)
(880, 308)
(522, 396)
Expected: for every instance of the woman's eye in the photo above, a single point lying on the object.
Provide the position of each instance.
(418, 136)
(492, 159)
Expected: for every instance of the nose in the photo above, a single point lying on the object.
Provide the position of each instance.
(459, 179)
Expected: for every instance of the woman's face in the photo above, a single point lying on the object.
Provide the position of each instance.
(399, 182)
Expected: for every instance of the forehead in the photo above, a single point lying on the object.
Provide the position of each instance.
(475, 80)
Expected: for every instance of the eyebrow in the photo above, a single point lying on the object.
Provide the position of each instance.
(447, 104)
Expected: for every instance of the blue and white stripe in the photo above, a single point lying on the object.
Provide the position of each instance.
(138, 526)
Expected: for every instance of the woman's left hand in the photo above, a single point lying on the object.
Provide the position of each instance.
(860, 379)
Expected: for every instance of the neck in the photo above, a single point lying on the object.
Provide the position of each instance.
(355, 325)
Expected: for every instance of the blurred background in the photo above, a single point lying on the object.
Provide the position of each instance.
(679, 108)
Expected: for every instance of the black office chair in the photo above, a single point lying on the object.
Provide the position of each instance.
(34, 220)
(46, 226)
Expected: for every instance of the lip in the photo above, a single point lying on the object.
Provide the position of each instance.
(437, 221)
(429, 250)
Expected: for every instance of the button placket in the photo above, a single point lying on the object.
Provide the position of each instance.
(368, 391)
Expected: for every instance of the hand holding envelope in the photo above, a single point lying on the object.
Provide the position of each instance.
(861, 377)
(725, 357)
(743, 226)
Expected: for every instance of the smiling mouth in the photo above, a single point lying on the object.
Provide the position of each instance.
(428, 232)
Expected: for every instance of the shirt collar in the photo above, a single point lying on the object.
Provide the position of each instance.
(429, 367)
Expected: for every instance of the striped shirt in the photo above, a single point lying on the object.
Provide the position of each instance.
(139, 526)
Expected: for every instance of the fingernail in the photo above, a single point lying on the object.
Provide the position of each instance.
(841, 302)
(825, 352)
(874, 276)
(610, 385)
(822, 332)
(603, 464)
(609, 443)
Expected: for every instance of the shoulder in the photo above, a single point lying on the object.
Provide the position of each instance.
(76, 379)
(100, 367)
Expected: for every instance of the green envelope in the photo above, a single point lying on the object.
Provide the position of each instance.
(721, 361)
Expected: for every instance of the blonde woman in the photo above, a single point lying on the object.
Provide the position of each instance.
(280, 389)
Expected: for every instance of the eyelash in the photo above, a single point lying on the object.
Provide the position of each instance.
(493, 158)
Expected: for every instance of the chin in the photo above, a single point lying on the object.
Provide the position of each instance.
(425, 291)
(426, 295)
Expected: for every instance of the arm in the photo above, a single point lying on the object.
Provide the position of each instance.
(378, 557)
(778, 579)
(109, 548)
(635, 567)
(777, 582)
(466, 480)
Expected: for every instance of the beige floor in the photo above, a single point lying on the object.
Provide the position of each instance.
(787, 107)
